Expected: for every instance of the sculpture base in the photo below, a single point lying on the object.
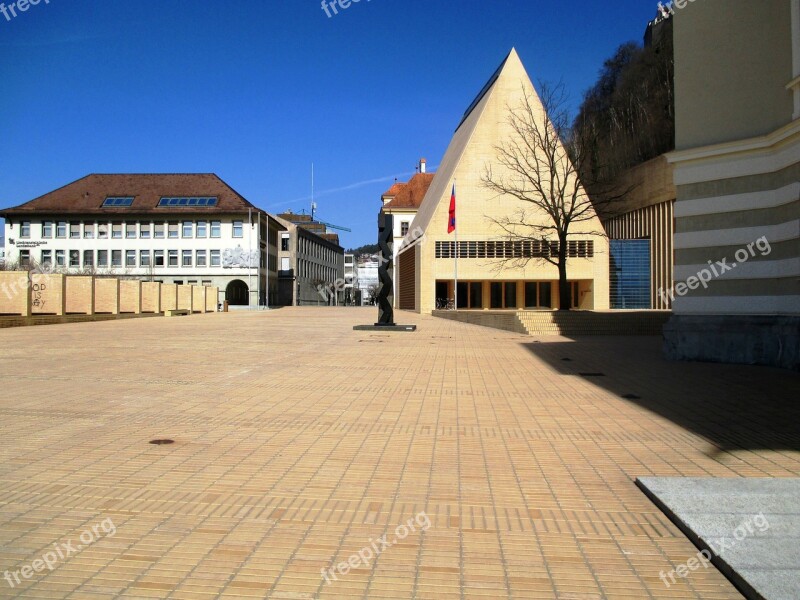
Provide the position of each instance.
(382, 327)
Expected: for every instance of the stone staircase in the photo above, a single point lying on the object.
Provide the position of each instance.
(568, 323)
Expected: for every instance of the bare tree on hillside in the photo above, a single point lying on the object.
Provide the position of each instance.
(543, 160)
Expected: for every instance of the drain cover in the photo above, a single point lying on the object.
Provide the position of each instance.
(162, 442)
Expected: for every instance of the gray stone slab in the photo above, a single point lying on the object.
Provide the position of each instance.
(751, 527)
(779, 585)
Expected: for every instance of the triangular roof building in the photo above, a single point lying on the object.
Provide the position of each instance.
(427, 266)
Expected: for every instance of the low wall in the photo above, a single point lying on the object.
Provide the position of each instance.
(130, 296)
(199, 298)
(106, 296)
(14, 296)
(43, 298)
(48, 294)
(151, 297)
(80, 295)
(185, 297)
(169, 297)
(212, 295)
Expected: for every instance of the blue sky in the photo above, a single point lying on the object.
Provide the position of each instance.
(257, 90)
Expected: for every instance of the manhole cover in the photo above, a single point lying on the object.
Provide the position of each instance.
(162, 442)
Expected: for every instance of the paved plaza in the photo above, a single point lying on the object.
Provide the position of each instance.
(470, 462)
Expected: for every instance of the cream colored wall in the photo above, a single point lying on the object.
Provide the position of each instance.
(471, 151)
(733, 61)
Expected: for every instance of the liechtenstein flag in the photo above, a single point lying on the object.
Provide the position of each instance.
(451, 222)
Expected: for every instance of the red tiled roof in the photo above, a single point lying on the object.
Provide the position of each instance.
(410, 195)
(86, 195)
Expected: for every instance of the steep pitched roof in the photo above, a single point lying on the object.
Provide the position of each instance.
(86, 195)
(411, 194)
(484, 125)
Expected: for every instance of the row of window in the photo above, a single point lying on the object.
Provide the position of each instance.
(171, 230)
(315, 272)
(85, 259)
(509, 249)
(314, 250)
(127, 201)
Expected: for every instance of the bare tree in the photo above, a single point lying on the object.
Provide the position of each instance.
(542, 162)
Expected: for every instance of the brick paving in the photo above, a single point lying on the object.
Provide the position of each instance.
(298, 442)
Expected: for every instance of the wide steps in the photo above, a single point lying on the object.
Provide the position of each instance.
(567, 323)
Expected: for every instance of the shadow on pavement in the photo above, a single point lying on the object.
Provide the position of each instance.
(732, 406)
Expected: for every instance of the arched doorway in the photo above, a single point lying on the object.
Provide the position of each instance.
(236, 294)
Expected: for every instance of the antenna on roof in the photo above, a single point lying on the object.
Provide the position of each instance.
(313, 204)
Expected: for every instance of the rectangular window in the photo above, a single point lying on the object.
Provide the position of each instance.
(144, 258)
(130, 231)
(144, 231)
(116, 231)
(88, 231)
(173, 258)
(284, 242)
(130, 258)
(285, 263)
(88, 259)
(25, 258)
(216, 229)
(158, 231)
(531, 294)
(202, 229)
(496, 293)
(75, 231)
(545, 290)
(184, 202)
(61, 229)
(158, 258)
(116, 258)
(47, 257)
(102, 258)
(74, 259)
(511, 294)
(172, 231)
(188, 228)
(60, 258)
(404, 228)
(215, 258)
(25, 229)
(186, 258)
(238, 229)
(201, 259)
(47, 229)
(102, 231)
(118, 201)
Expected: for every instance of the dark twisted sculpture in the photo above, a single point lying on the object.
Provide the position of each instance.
(386, 292)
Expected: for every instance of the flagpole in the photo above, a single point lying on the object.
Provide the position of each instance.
(455, 289)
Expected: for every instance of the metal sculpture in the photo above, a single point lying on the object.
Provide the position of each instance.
(385, 268)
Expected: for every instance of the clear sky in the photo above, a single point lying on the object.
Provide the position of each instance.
(257, 90)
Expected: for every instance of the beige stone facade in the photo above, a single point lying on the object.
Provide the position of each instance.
(737, 174)
(484, 281)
